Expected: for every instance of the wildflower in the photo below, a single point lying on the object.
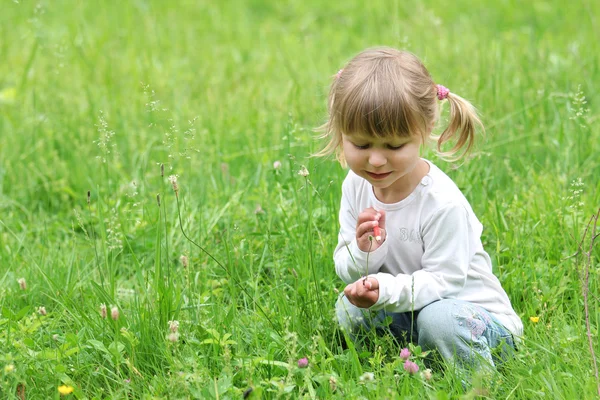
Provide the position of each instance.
(303, 362)
(9, 368)
(173, 180)
(367, 377)
(184, 261)
(65, 390)
(103, 310)
(114, 313)
(259, 210)
(277, 165)
(405, 354)
(332, 383)
(535, 320)
(173, 337)
(41, 310)
(411, 367)
(427, 374)
(174, 326)
(55, 337)
(127, 380)
(303, 172)
(22, 283)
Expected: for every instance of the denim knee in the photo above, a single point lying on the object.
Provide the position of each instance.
(436, 325)
(462, 331)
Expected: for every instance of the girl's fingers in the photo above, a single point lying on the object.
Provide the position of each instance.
(368, 214)
(363, 296)
(366, 228)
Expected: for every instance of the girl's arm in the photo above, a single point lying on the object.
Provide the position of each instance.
(350, 261)
(449, 243)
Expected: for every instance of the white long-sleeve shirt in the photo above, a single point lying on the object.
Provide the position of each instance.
(432, 249)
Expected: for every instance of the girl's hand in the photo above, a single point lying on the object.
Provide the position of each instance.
(363, 293)
(367, 221)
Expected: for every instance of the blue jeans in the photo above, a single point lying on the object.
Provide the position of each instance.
(464, 334)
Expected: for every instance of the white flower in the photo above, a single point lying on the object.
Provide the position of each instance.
(303, 172)
(367, 377)
(174, 326)
(427, 374)
(277, 164)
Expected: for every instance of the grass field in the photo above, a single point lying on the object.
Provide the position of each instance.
(96, 96)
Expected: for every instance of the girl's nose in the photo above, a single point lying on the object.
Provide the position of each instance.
(377, 159)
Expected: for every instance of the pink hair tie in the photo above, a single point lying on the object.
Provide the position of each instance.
(339, 73)
(442, 92)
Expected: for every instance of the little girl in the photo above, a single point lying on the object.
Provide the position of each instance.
(428, 271)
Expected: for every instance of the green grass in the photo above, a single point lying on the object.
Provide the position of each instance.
(96, 97)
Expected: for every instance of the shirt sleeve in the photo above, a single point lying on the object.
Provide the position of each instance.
(350, 261)
(449, 246)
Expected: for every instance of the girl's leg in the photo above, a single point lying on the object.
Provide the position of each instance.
(355, 320)
(464, 334)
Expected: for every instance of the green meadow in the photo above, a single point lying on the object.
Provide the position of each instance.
(223, 285)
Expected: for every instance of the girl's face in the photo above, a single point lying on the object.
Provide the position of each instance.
(386, 163)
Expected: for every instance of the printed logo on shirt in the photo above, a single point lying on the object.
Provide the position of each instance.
(410, 236)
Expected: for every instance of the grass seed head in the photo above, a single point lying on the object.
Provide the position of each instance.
(114, 313)
(184, 261)
(173, 181)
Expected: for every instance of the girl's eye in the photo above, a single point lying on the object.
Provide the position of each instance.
(395, 147)
(362, 146)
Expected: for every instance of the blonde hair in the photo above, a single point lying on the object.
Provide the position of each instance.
(383, 92)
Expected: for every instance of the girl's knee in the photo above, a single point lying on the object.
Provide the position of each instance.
(455, 329)
(436, 323)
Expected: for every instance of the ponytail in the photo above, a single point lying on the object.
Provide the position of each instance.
(462, 127)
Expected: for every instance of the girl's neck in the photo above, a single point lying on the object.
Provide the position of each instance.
(404, 186)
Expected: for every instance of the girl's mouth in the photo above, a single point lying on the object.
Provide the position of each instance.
(375, 176)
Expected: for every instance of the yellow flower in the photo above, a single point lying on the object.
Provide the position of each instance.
(64, 390)
(535, 320)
